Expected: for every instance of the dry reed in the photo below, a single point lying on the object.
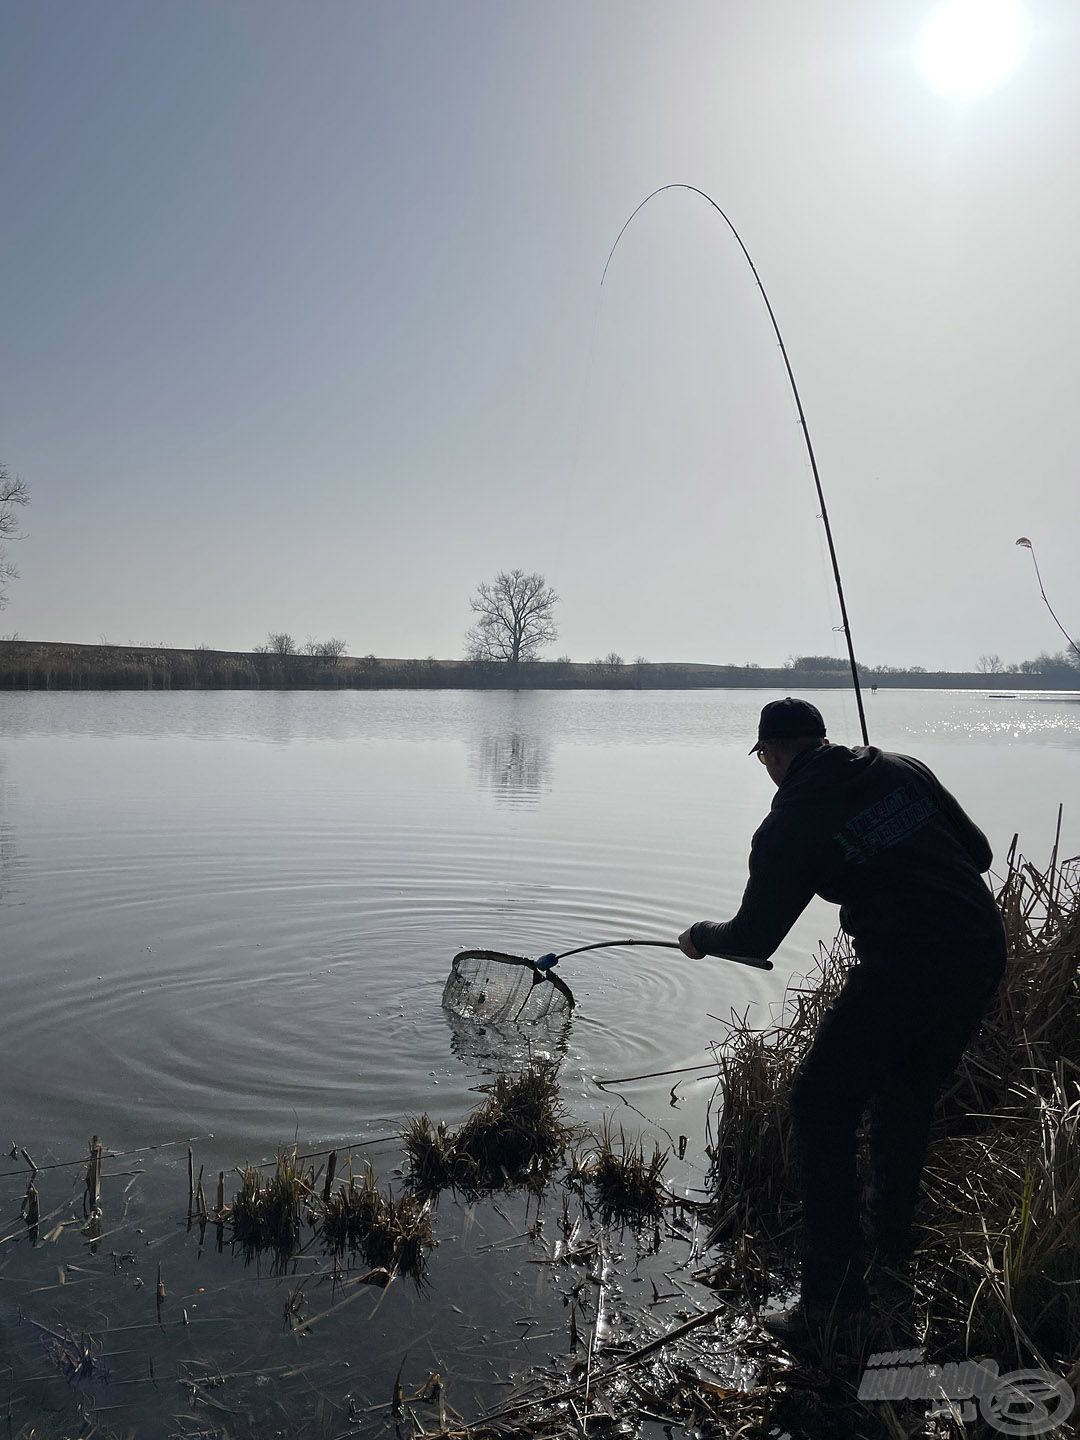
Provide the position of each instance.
(1001, 1265)
(999, 1269)
(628, 1186)
(392, 1233)
(266, 1211)
(751, 1153)
(513, 1138)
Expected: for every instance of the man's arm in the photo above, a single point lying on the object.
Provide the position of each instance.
(780, 887)
(975, 843)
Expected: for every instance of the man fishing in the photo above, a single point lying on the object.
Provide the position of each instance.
(877, 834)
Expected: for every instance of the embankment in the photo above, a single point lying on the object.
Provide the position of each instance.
(33, 665)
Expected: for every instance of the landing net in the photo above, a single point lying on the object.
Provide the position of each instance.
(489, 986)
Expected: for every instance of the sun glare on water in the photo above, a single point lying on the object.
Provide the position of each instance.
(967, 48)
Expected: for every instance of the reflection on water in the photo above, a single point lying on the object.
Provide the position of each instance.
(514, 766)
(7, 845)
(492, 1046)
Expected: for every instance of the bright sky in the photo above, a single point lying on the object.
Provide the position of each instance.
(302, 326)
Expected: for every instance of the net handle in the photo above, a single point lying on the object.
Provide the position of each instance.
(663, 945)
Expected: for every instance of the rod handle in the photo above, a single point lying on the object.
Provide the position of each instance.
(658, 945)
(747, 960)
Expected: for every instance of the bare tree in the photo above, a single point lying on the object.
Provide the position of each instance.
(13, 493)
(332, 650)
(514, 618)
(613, 661)
(990, 665)
(279, 642)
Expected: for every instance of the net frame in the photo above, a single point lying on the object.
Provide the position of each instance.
(491, 985)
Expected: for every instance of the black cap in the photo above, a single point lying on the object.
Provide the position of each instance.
(789, 719)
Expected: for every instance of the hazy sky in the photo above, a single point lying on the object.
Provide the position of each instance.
(302, 329)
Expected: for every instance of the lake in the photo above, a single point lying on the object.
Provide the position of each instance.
(230, 916)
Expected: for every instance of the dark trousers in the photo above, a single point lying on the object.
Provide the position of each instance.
(884, 1049)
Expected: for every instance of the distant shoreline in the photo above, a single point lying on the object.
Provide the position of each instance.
(36, 665)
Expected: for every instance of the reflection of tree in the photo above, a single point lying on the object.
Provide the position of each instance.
(515, 766)
(7, 845)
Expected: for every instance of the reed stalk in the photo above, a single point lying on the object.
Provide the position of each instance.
(998, 1269)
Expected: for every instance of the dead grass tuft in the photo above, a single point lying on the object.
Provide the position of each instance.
(266, 1211)
(628, 1187)
(392, 1233)
(513, 1138)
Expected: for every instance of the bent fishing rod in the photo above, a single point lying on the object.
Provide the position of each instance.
(846, 626)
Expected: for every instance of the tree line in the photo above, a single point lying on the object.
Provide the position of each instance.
(1060, 663)
(280, 642)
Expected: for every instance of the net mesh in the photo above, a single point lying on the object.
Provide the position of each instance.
(489, 986)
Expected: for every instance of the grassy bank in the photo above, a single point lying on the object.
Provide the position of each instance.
(32, 665)
(997, 1272)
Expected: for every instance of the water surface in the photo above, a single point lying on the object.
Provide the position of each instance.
(230, 915)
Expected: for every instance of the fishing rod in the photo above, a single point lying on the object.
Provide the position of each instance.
(846, 626)
(1026, 543)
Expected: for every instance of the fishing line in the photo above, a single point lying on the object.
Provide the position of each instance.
(829, 599)
(681, 185)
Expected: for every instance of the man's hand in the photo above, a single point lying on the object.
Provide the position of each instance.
(687, 946)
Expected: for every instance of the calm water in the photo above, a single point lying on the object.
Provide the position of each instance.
(231, 915)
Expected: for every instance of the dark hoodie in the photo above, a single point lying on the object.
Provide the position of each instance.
(876, 834)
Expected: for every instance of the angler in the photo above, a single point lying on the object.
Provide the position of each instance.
(878, 835)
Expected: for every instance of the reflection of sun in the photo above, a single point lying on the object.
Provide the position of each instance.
(966, 48)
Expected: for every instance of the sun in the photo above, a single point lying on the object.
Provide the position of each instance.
(967, 48)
